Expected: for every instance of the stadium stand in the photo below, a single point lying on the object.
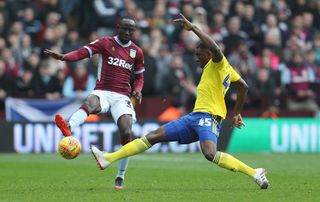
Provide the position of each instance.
(275, 45)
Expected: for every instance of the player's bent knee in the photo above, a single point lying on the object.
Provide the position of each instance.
(92, 104)
(125, 136)
(156, 136)
(209, 155)
(152, 138)
(125, 141)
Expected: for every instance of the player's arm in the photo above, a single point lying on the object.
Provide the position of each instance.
(70, 57)
(138, 85)
(217, 54)
(86, 52)
(242, 90)
(138, 77)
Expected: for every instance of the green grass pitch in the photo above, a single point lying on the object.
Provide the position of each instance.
(157, 177)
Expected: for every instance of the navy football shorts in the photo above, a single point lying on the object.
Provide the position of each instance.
(193, 127)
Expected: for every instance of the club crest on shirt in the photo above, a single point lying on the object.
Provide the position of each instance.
(113, 48)
(133, 53)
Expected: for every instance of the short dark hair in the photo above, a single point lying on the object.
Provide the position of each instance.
(128, 17)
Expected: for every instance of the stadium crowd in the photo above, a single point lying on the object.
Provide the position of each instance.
(275, 45)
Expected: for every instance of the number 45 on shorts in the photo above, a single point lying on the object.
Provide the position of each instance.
(205, 122)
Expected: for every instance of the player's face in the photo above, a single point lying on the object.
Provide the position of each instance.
(203, 56)
(126, 30)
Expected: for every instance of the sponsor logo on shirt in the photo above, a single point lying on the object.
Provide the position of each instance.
(119, 62)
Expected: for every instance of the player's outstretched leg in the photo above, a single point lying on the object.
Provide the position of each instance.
(229, 162)
(119, 183)
(62, 125)
(122, 167)
(100, 159)
(260, 178)
(135, 147)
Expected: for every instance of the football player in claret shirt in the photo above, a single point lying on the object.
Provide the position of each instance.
(119, 59)
(204, 123)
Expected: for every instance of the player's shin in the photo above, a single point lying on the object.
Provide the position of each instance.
(229, 162)
(122, 167)
(132, 148)
(78, 118)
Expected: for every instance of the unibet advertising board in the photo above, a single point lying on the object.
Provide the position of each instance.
(279, 135)
(259, 135)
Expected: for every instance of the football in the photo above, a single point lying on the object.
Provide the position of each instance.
(69, 147)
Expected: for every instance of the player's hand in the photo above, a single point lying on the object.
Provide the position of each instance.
(53, 54)
(137, 95)
(237, 121)
(184, 22)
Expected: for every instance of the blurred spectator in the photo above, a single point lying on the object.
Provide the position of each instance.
(55, 65)
(311, 64)
(3, 44)
(199, 19)
(49, 6)
(264, 8)
(317, 47)
(32, 62)
(234, 36)
(15, 8)
(272, 29)
(79, 84)
(106, 14)
(16, 28)
(46, 33)
(238, 8)
(3, 25)
(5, 84)
(159, 16)
(263, 88)
(24, 85)
(68, 6)
(11, 64)
(163, 58)
(26, 48)
(298, 6)
(266, 53)
(307, 24)
(283, 13)
(297, 33)
(250, 25)
(60, 32)
(61, 76)
(141, 20)
(31, 25)
(46, 84)
(243, 57)
(298, 79)
(187, 10)
(177, 79)
(71, 43)
(15, 47)
(217, 26)
(151, 69)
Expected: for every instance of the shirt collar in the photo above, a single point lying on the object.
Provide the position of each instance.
(120, 43)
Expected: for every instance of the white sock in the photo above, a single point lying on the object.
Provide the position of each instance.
(122, 167)
(77, 118)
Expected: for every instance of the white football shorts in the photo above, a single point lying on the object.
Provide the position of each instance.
(118, 104)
